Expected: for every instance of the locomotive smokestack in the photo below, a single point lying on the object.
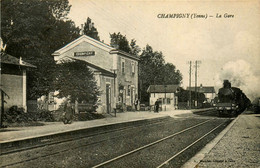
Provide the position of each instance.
(226, 84)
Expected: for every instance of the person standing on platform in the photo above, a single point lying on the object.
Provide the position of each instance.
(136, 104)
(156, 106)
(68, 112)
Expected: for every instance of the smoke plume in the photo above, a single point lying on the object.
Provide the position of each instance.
(240, 74)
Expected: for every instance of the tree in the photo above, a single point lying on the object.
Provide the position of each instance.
(151, 63)
(134, 48)
(33, 30)
(75, 79)
(172, 76)
(120, 42)
(90, 30)
(154, 71)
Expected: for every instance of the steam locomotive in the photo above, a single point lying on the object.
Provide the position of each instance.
(256, 105)
(231, 100)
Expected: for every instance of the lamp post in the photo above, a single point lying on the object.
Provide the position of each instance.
(114, 71)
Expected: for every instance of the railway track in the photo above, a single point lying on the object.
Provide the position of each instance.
(87, 138)
(53, 140)
(158, 142)
(86, 142)
(189, 146)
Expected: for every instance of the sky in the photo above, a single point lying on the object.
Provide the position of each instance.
(227, 47)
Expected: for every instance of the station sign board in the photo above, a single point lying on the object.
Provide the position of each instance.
(84, 53)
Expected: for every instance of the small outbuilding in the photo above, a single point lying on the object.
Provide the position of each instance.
(166, 95)
(13, 81)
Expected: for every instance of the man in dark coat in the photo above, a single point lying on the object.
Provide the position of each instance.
(156, 106)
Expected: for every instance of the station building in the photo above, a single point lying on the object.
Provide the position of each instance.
(115, 71)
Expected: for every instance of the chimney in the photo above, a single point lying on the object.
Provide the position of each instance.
(116, 46)
(21, 61)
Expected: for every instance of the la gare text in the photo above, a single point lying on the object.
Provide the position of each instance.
(193, 16)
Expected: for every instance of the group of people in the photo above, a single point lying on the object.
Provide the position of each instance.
(68, 109)
(156, 105)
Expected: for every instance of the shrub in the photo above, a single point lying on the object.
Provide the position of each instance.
(85, 116)
(17, 115)
(45, 115)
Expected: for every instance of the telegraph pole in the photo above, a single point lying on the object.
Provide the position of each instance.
(196, 77)
(190, 85)
(196, 96)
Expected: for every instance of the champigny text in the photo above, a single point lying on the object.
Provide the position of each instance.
(192, 16)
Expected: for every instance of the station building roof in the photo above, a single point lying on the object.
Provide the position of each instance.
(96, 43)
(203, 89)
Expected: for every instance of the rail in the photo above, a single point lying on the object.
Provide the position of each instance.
(148, 145)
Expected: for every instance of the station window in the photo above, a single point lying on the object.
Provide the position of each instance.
(168, 101)
(163, 101)
(133, 67)
(123, 65)
(129, 90)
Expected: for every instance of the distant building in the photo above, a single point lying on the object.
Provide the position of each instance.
(115, 71)
(13, 80)
(209, 91)
(166, 94)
